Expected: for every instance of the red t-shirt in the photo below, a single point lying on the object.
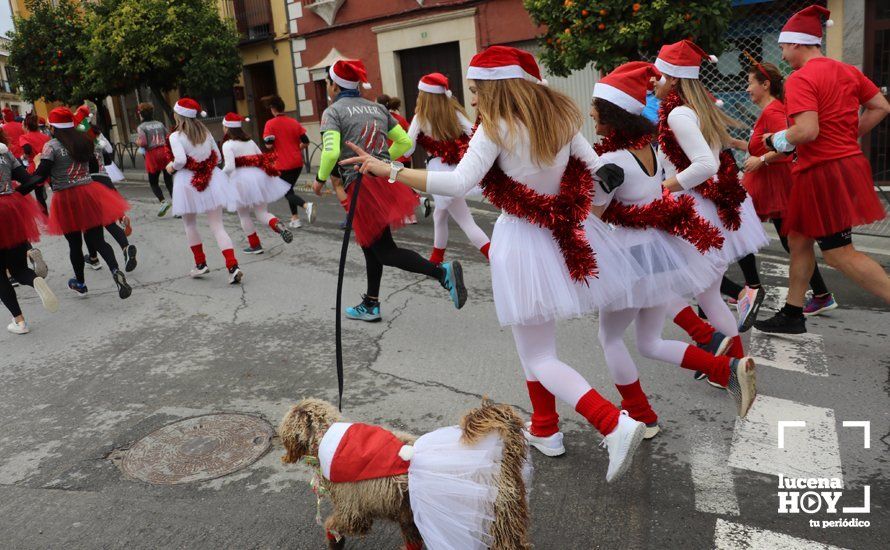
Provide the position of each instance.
(771, 120)
(36, 140)
(14, 131)
(287, 132)
(835, 91)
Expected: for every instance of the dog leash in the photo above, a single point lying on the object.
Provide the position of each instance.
(338, 323)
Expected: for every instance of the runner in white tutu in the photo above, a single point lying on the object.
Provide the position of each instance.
(441, 127)
(255, 180)
(531, 160)
(666, 236)
(199, 187)
(692, 134)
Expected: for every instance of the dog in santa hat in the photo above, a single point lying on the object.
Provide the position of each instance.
(456, 487)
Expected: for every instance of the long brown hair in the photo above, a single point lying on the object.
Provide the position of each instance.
(78, 145)
(714, 122)
(193, 129)
(551, 118)
(767, 72)
(440, 112)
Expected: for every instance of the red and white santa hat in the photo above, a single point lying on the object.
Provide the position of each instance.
(682, 59)
(349, 74)
(234, 120)
(627, 85)
(188, 108)
(503, 63)
(356, 452)
(61, 117)
(805, 26)
(434, 83)
(81, 113)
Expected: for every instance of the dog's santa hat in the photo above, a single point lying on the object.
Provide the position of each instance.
(234, 120)
(188, 108)
(503, 63)
(349, 74)
(682, 59)
(355, 452)
(627, 85)
(805, 26)
(434, 83)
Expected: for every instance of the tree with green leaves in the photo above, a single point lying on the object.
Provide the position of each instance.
(608, 33)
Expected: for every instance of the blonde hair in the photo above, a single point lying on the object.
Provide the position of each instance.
(440, 112)
(714, 122)
(193, 129)
(551, 118)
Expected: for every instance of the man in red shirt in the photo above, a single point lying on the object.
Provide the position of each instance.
(285, 136)
(832, 188)
(13, 131)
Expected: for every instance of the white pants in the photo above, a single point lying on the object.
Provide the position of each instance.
(536, 345)
(711, 302)
(261, 211)
(215, 220)
(458, 209)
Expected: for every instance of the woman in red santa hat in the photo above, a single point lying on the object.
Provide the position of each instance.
(381, 207)
(667, 237)
(81, 207)
(256, 182)
(200, 187)
(531, 160)
(441, 127)
(692, 135)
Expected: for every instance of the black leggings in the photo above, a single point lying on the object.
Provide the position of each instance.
(816, 281)
(295, 201)
(748, 264)
(385, 252)
(156, 189)
(117, 233)
(94, 238)
(14, 261)
(40, 195)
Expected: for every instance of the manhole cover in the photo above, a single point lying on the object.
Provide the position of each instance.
(198, 449)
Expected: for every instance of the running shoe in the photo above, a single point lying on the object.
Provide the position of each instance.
(782, 323)
(129, 258)
(622, 443)
(819, 304)
(453, 281)
(367, 310)
(253, 250)
(749, 306)
(128, 228)
(18, 328)
(77, 287)
(427, 207)
(295, 224)
(717, 346)
(92, 262)
(285, 233)
(165, 207)
(651, 430)
(550, 445)
(12, 281)
(310, 212)
(47, 298)
(199, 271)
(742, 384)
(37, 263)
(123, 288)
(235, 275)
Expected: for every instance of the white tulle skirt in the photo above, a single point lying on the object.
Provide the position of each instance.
(453, 488)
(114, 172)
(749, 238)
(188, 200)
(253, 186)
(531, 283)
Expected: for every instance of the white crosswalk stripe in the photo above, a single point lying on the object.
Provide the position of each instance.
(804, 353)
(733, 536)
(712, 477)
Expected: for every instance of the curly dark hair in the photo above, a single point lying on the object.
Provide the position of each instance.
(628, 125)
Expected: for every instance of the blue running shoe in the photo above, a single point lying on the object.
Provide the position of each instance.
(717, 346)
(367, 310)
(454, 283)
(77, 286)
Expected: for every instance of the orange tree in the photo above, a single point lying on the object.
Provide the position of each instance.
(611, 32)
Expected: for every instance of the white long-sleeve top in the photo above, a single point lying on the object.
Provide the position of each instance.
(515, 162)
(182, 148)
(703, 157)
(417, 126)
(234, 148)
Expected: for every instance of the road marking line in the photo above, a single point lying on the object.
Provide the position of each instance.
(732, 536)
(803, 353)
(712, 477)
(809, 452)
(774, 269)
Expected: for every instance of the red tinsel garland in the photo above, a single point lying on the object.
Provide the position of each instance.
(563, 214)
(450, 151)
(617, 142)
(202, 171)
(724, 190)
(265, 161)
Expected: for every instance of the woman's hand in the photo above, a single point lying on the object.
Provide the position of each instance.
(170, 168)
(752, 164)
(366, 163)
(739, 144)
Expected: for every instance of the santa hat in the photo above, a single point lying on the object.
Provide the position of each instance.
(188, 108)
(434, 83)
(504, 62)
(355, 452)
(627, 85)
(805, 26)
(41, 121)
(234, 120)
(81, 113)
(349, 74)
(682, 59)
(61, 117)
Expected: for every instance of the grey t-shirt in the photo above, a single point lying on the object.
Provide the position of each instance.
(8, 163)
(362, 122)
(66, 172)
(153, 132)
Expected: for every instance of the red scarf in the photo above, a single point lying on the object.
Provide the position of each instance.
(724, 190)
(202, 171)
(265, 161)
(450, 151)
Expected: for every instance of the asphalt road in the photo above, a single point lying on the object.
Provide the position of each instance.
(102, 373)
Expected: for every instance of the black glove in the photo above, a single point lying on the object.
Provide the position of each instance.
(611, 177)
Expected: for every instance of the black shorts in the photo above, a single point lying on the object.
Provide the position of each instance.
(836, 240)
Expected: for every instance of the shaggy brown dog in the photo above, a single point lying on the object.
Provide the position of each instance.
(358, 504)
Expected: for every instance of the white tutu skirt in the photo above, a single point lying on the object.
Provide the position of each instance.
(188, 200)
(253, 186)
(749, 238)
(114, 172)
(453, 488)
(531, 282)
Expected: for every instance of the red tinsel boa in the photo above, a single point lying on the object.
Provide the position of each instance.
(202, 171)
(724, 190)
(617, 142)
(450, 151)
(563, 214)
(264, 161)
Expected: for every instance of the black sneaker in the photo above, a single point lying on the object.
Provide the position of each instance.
(92, 262)
(12, 281)
(427, 207)
(129, 258)
(123, 288)
(718, 345)
(782, 323)
(235, 275)
(285, 233)
(253, 250)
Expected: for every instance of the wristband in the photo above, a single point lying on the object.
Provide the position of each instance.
(321, 181)
(763, 160)
(780, 143)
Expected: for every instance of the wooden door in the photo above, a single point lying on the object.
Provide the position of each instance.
(261, 83)
(877, 67)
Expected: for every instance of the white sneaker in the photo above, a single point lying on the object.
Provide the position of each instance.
(199, 271)
(622, 443)
(18, 328)
(310, 212)
(37, 262)
(295, 224)
(235, 275)
(50, 302)
(549, 446)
